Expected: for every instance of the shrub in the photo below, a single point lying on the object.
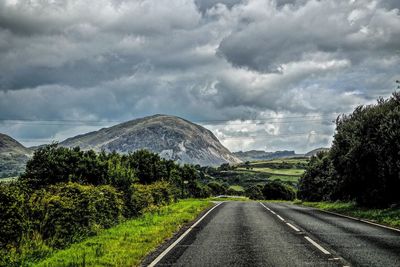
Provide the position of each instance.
(13, 221)
(147, 196)
(217, 188)
(274, 190)
(66, 213)
(254, 192)
(318, 183)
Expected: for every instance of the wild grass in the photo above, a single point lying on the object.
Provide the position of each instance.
(285, 178)
(388, 216)
(128, 243)
(290, 172)
(237, 188)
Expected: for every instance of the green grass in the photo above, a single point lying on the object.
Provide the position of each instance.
(389, 216)
(289, 160)
(230, 198)
(128, 243)
(285, 178)
(290, 172)
(237, 188)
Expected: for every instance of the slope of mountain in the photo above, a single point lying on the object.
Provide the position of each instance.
(316, 151)
(13, 156)
(171, 137)
(253, 155)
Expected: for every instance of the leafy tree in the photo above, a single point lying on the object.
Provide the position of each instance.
(278, 190)
(365, 153)
(317, 183)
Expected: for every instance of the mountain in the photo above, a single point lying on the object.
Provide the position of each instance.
(316, 151)
(171, 137)
(253, 155)
(13, 156)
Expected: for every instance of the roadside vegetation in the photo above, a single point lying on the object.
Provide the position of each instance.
(66, 195)
(363, 164)
(129, 242)
(388, 216)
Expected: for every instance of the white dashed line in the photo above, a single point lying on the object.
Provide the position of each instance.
(293, 227)
(317, 245)
(162, 255)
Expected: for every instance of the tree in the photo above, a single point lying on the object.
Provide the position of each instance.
(317, 183)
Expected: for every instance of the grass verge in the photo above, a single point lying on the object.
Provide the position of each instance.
(389, 216)
(128, 243)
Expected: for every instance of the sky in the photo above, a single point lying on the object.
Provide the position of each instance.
(260, 74)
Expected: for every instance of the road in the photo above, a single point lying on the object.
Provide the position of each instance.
(277, 234)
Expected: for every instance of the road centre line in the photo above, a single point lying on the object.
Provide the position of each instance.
(315, 244)
(168, 249)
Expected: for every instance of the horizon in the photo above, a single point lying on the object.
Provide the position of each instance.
(259, 74)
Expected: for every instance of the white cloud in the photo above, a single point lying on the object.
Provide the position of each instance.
(252, 64)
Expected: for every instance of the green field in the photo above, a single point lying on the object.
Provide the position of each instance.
(128, 243)
(282, 172)
(259, 172)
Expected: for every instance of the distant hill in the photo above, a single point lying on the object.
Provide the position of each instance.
(316, 151)
(171, 137)
(13, 156)
(253, 155)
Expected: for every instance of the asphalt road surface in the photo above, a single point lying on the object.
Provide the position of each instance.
(278, 234)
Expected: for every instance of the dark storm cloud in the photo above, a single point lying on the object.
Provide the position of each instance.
(235, 61)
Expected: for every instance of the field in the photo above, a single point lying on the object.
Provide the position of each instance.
(259, 172)
(128, 243)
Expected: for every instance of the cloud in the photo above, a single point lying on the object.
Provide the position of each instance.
(251, 71)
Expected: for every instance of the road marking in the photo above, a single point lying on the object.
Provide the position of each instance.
(317, 246)
(293, 227)
(165, 252)
(267, 208)
(361, 220)
(280, 218)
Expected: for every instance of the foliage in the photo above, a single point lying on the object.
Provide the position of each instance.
(127, 244)
(387, 216)
(217, 188)
(274, 190)
(147, 196)
(13, 217)
(317, 183)
(365, 159)
(255, 192)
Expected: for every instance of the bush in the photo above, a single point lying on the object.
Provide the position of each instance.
(147, 196)
(274, 190)
(318, 183)
(365, 153)
(254, 192)
(66, 213)
(217, 188)
(13, 219)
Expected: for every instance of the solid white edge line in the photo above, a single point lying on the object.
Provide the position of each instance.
(168, 249)
(267, 208)
(360, 220)
(317, 245)
(280, 218)
(293, 227)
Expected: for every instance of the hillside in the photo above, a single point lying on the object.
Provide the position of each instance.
(13, 156)
(316, 151)
(171, 137)
(253, 155)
